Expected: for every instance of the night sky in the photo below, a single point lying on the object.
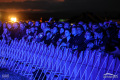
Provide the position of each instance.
(59, 9)
(59, 5)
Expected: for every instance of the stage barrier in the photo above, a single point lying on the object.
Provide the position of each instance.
(24, 58)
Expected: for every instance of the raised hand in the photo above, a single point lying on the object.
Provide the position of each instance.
(50, 19)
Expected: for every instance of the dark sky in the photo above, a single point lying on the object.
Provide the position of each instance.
(59, 5)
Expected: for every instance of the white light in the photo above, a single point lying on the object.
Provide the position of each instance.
(13, 19)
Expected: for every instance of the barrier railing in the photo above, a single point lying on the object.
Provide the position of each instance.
(25, 58)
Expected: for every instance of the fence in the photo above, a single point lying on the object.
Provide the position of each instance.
(56, 64)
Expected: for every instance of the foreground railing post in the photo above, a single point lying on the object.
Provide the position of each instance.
(85, 65)
(97, 56)
(51, 57)
(116, 71)
(3, 54)
(99, 69)
(42, 60)
(57, 55)
(66, 51)
(12, 59)
(109, 67)
(51, 73)
(39, 57)
(73, 57)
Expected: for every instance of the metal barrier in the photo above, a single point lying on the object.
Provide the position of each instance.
(56, 64)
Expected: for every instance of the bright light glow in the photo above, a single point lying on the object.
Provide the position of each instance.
(13, 19)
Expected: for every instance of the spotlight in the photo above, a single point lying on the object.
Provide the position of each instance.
(13, 19)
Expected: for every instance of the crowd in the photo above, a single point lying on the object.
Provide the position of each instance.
(80, 36)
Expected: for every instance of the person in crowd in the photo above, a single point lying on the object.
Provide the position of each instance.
(9, 27)
(5, 25)
(22, 31)
(85, 27)
(15, 31)
(26, 35)
(29, 24)
(116, 51)
(47, 38)
(62, 32)
(74, 38)
(60, 25)
(39, 37)
(6, 35)
(32, 34)
(89, 40)
(43, 27)
(38, 27)
(66, 25)
(81, 23)
(55, 36)
(80, 37)
(66, 42)
(104, 36)
(49, 25)
(94, 27)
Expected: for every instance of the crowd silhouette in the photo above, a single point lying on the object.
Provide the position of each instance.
(79, 37)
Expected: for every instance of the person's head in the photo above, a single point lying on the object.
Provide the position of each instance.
(62, 30)
(48, 34)
(80, 23)
(27, 31)
(88, 35)
(32, 24)
(74, 31)
(20, 22)
(54, 30)
(80, 30)
(73, 25)
(37, 23)
(94, 27)
(22, 26)
(43, 26)
(15, 25)
(32, 29)
(90, 45)
(29, 23)
(5, 30)
(67, 33)
(90, 24)
(66, 26)
(46, 29)
(9, 25)
(99, 33)
(60, 25)
(85, 26)
(25, 24)
(4, 25)
(112, 24)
